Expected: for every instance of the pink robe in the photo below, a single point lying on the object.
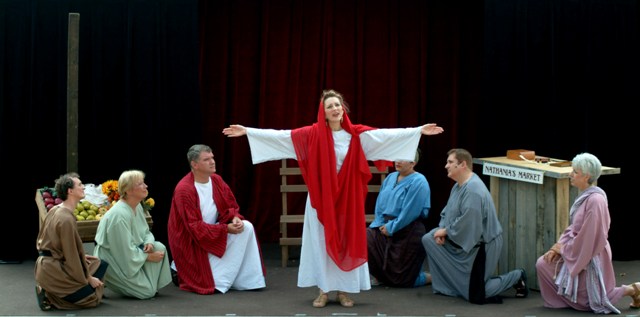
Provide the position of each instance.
(585, 238)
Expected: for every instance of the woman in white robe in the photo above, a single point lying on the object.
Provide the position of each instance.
(318, 265)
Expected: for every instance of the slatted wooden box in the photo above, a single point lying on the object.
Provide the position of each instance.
(86, 228)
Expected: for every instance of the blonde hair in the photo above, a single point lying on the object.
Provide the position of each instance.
(128, 180)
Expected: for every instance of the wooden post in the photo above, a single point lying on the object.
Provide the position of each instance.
(73, 43)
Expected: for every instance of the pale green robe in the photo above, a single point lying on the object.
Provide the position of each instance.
(119, 239)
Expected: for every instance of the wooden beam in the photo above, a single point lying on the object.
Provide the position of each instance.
(73, 43)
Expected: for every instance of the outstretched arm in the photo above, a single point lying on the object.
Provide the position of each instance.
(265, 144)
(431, 129)
(395, 143)
(235, 130)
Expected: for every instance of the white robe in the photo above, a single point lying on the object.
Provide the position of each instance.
(316, 267)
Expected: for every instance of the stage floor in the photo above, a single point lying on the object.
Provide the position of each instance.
(282, 297)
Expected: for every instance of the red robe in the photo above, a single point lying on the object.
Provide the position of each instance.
(339, 198)
(191, 239)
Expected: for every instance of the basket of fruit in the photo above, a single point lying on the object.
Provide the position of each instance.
(87, 213)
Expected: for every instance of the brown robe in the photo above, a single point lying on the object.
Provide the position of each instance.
(66, 270)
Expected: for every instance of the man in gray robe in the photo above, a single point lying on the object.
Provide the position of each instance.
(464, 249)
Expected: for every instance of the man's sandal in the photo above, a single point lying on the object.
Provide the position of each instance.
(635, 296)
(522, 290)
(43, 302)
(344, 300)
(321, 300)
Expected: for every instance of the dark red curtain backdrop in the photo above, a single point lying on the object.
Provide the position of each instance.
(398, 63)
(551, 76)
(556, 76)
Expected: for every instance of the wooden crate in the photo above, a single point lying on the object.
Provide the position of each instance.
(86, 228)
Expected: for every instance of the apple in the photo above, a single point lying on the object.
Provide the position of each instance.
(58, 201)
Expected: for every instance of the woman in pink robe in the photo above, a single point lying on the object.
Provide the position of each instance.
(577, 271)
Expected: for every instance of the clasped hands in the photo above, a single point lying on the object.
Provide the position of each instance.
(383, 230)
(236, 226)
(152, 255)
(554, 254)
(440, 236)
(93, 281)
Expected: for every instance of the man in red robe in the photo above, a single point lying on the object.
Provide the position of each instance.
(212, 246)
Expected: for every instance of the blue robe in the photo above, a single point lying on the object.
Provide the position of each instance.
(397, 260)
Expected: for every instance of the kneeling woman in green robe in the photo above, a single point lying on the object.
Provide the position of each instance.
(139, 265)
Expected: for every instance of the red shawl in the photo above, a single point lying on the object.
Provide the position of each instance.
(339, 198)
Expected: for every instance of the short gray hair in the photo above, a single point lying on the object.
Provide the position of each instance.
(194, 152)
(588, 164)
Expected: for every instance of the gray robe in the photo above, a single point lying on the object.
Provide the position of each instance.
(470, 218)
